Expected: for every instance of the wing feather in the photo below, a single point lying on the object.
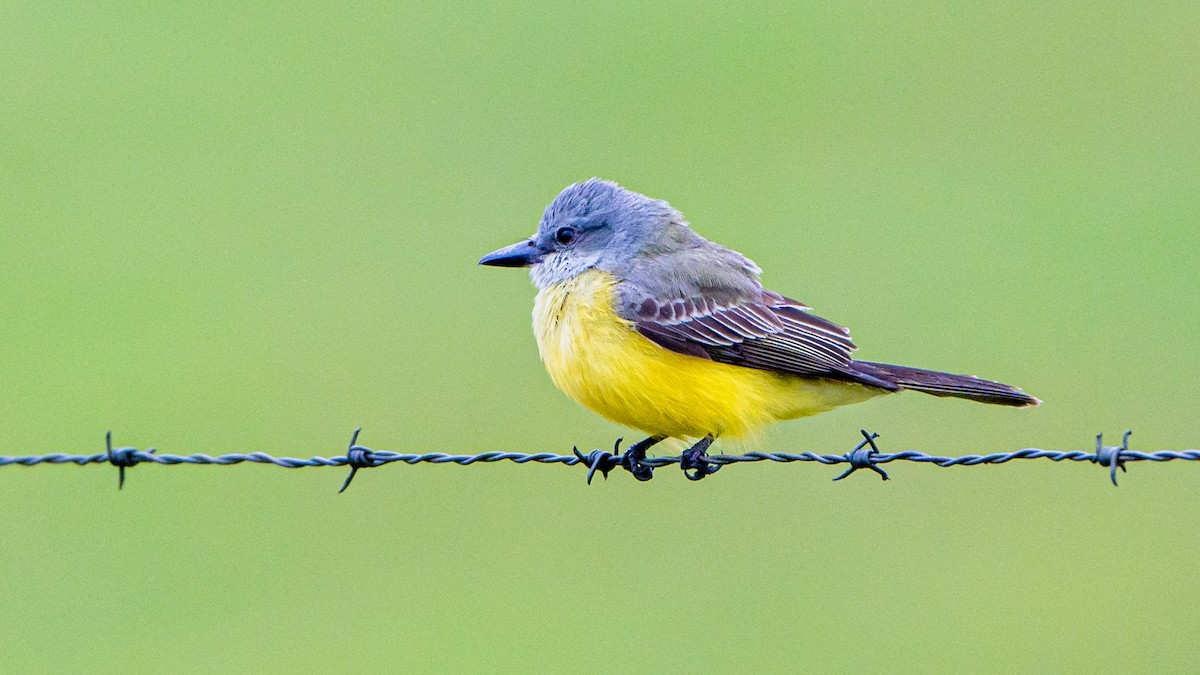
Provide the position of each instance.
(769, 333)
(706, 301)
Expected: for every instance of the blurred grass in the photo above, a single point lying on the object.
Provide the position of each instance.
(239, 228)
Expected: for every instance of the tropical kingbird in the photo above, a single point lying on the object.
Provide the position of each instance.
(654, 327)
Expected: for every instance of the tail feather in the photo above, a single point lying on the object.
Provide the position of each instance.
(947, 384)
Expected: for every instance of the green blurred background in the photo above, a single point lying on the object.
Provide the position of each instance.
(253, 228)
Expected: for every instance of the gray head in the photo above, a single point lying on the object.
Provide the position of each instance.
(596, 224)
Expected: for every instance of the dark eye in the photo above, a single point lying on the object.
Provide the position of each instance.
(565, 235)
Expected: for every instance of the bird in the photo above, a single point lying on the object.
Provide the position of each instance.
(642, 320)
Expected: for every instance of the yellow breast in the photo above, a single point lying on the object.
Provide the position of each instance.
(601, 361)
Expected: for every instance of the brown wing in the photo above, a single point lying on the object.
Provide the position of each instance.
(768, 332)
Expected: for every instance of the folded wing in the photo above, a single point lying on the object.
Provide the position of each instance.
(760, 329)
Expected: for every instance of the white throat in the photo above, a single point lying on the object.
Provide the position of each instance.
(556, 268)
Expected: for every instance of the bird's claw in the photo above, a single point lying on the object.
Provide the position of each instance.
(695, 459)
(634, 460)
(698, 463)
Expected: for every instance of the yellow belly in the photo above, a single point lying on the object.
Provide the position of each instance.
(599, 360)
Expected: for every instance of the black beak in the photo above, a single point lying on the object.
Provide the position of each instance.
(520, 254)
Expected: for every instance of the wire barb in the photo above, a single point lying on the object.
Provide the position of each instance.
(1110, 455)
(122, 458)
(358, 457)
(860, 456)
(599, 460)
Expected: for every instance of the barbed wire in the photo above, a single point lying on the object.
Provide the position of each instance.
(866, 455)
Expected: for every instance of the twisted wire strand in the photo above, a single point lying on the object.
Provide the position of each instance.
(865, 456)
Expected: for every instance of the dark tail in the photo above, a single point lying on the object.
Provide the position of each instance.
(947, 384)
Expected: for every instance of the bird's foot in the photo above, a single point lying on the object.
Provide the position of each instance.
(634, 459)
(695, 458)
